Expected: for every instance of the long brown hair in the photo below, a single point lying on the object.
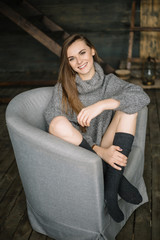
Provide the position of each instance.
(70, 99)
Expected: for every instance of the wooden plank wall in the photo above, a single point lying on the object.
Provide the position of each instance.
(150, 17)
(105, 23)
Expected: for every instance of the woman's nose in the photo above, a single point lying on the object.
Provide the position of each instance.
(79, 60)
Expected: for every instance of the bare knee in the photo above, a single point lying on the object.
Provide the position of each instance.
(61, 127)
(124, 115)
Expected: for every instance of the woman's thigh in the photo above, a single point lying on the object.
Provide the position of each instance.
(61, 127)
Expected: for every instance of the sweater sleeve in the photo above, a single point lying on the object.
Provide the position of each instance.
(132, 98)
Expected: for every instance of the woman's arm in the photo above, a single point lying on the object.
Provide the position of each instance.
(121, 96)
(132, 97)
(87, 114)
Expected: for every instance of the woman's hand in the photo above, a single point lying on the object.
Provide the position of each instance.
(114, 157)
(88, 113)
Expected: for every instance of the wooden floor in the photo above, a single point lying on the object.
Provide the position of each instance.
(144, 224)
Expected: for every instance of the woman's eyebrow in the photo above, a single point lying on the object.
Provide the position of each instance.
(79, 52)
(82, 50)
(70, 57)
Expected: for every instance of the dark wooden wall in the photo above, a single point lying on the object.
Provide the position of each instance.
(105, 22)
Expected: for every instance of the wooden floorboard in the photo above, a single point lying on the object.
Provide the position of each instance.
(142, 228)
(142, 225)
(154, 125)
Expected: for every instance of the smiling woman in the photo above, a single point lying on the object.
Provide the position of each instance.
(80, 58)
(97, 112)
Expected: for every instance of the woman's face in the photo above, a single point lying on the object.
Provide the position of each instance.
(80, 57)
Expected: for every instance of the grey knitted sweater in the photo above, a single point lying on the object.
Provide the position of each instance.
(132, 98)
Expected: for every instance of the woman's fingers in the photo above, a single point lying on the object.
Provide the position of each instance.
(118, 159)
(119, 154)
(87, 114)
(120, 162)
(117, 164)
(114, 157)
(116, 167)
(83, 118)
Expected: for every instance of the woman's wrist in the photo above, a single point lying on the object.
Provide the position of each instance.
(110, 104)
(98, 150)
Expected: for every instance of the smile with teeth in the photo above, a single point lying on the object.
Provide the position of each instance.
(82, 66)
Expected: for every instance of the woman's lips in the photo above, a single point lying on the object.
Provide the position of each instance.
(82, 66)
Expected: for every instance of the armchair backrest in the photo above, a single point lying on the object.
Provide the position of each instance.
(30, 106)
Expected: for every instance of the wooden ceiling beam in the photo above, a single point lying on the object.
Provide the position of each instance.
(30, 28)
(46, 21)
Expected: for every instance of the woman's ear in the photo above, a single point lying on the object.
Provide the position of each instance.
(93, 52)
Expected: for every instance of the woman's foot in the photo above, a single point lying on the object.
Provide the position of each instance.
(128, 192)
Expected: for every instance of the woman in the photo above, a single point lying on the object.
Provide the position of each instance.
(97, 112)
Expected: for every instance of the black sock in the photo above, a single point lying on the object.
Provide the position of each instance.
(126, 190)
(111, 196)
(111, 185)
(86, 145)
(114, 209)
(113, 177)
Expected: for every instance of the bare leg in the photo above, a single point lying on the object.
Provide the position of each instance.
(62, 128)
(121, 122)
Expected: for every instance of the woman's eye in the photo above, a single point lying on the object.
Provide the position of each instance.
(82, 52)
(71, 59)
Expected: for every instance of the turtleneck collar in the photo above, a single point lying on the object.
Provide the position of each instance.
(86, 86)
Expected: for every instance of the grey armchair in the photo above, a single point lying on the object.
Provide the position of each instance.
(63, 183)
